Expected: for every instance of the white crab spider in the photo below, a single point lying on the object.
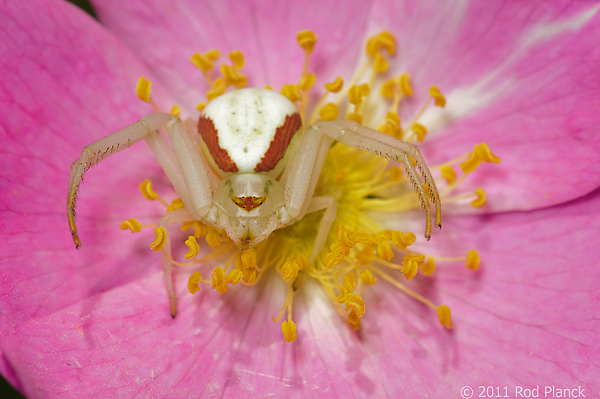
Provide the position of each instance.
(240, 173)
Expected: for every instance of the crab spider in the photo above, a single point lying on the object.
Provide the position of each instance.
(247, 172)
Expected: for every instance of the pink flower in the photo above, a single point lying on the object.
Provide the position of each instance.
(522, 78)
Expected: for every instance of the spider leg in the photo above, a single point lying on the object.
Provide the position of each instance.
(169, 218)
(330, 206)
(358, 136)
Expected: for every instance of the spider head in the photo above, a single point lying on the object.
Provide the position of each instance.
(248, 204)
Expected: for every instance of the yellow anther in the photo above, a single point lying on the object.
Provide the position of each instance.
(414, 258)
(200, 229)
(234, 276)
(384, 251)
(193, 246)
(347, 287)
(291, 92)
(485, 154)
(333, 259)
(382, 40)
(355, 95)
(218, 89)
(213, 54)
(268, 87)
(232, 76)
(352, 116)
(131, 224)
(202, 61)
(176, 204)
(380, 64)
(335, 86)
(388, 89)
(366, 255)
(160, 240)
(481, 198)
(440, 100)
(193, 281)
(405, 86)
(354, 320)
(419, 130)
(395, 173)
(143, 89)
(237, 58)
(470, 164)
(200, 107)
(473, 259)
(444, 316)
(302, 262)
(345, 237)
(219, 281)
(393, 118)
(448, 173)
(289, 331)
(213, 239)
(175, 111)
(306, 40)
(429, 267)
(289, 269)
(356, 303)
(361, 237)
(147, 191)
(409, 269)
(403, 240)
(249, 275)
(367, 278)
(307, 81)
(249, 258)
(329, 112)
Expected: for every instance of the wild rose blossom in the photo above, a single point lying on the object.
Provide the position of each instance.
(94, 323)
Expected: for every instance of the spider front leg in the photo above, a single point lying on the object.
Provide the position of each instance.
(358, 136)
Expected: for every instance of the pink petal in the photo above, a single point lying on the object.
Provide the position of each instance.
(165, 36)
(73, 83)
(520, 78)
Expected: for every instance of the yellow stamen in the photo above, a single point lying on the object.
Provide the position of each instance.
(147, 191)
(290, 269)
(291, 92)
(200, 107)
(366, 255)
(355, 302)
(329, 112)
(382, 40)
(384, 250)
(357, 93)
(444, 316)
(144, 89)
(288, 328)
(213, 239)
(234, 276)
(175, 204)
(249, 258)
(202, 61)
(193, 282)
(473, 259)
(193, 246)
(218, 89)
(306, 39)
(409, 269)
(213, 54)
(380, 64)
(307, 81)
(429, 267)
(440, 100)
(367, 278)
(219, 281)
(481, 198)
(354, 117)
(175, 111)
(405, 86)
(403, 240)
(237, 58)
(419, 130)
(160, 240)
(131, 224)
(250, 275)
(485, 154)
(388, 89)
(335, 86)
(200, 229)
(448, 173)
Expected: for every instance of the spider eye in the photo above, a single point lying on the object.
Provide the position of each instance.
(248, 203)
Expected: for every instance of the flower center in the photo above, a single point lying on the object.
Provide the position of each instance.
(359, 252)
